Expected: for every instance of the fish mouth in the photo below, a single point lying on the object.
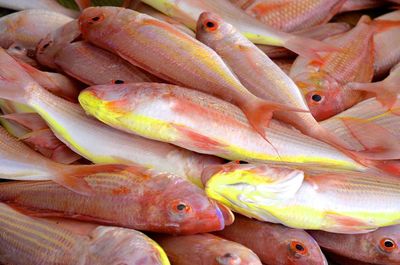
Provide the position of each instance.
(224, 214)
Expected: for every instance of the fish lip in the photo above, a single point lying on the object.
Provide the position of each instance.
(225, 214)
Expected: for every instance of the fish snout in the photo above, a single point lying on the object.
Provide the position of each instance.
(229, 259)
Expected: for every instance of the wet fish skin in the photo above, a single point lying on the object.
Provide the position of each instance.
(28, 27)
(50, 5)
(35, 241)
(95, 66)
(369, 247)
(274, 244)
(332, 201)
(290, 16)
(132, 198)
(87, 136)
(206, 249)
(323, 84)
(193, 119)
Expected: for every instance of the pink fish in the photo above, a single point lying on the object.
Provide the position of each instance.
(95, 66)
(378, 247)
(133, 198)
(136, 37)
(290, 16)
(26, 240)
(273, 243)
(206, 249)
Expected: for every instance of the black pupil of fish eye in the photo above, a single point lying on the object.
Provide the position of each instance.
(96, 19)
(299, 247)
(210, 24)
(18, 48)
(119, 81)
(316, 98)
(46, 45)
(181, 207)
(388, 244)
(228, 255)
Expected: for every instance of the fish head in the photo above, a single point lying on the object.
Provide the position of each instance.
(184, 208)
(383, 245)
(211, 29)
(252, 190)
(296, 247)
(230, 253)
(322, 93)
(95, 22)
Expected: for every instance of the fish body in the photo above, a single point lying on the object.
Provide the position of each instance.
(274, 244)
(341, 202)
(95, 66)
(387, 46)
(291, 16)
(34, 241)
(378, 247)
(94, 140)
(206, 249)
(50, 5)
(192, 119)
(136, 37)
(323, 84)
(132, 198)
(28, 27)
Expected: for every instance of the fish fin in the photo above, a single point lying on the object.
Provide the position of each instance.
(82, 4)
(337, 223)
(44, 138)
(15, 83)
(308, 48)
(72, 177)
(31, 121)
(260, 113)
(385, 91)
(382, 25)
(389, 166)
(62, 154)
(199, 141)
(379, 143)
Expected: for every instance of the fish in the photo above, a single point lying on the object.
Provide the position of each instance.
(274, 244)
(92, 139)
(50, 5)
(22, 54)
(258, 73)
(328, 200)
(48, 47)
(134, 198)
(136, 37)
(206, 249)
(56, 83)
(28, 27)
(319, 32)
(387, 51)
(354, 5)
(386, 91)
(373, 116)
(36, 241)
(19, 162)
(323, 84)
(289, 16)
(192, 120)
(378, 247)
(188, 11)
(95, 66)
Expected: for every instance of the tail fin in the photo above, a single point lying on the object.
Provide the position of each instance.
(15, 83)
(72, 177)
(308, 48)
(30, 121)
(259, 113)
(64, 155)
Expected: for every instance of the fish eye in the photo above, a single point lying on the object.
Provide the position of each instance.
(18, 48)
(387, 245)
(45, 46)
(210, 25)
(298, 248)
(96, 19)
(118, 81)
(316, 97)
(228, 259)
(180, 207)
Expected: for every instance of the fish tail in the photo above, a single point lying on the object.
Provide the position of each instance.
(73, 177)
(62, 154)
(30, 121)
(308, 48)
(259, 113)
(15, 83)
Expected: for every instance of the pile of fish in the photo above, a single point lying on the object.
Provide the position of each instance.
(221, 132)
